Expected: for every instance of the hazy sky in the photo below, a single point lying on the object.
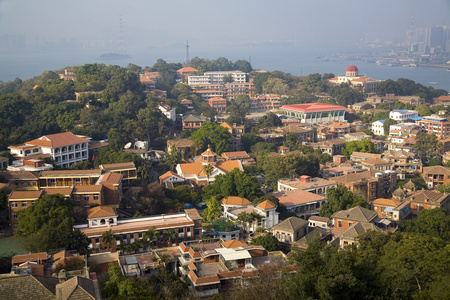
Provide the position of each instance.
(211, 23)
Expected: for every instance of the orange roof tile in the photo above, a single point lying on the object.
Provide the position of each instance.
(125, 165)
(57, 140)
(387, 202)
(101, 211)
(168, 174)
(233, 200)
(187, 70)
(39, 256)
(112, 178)
(22, 195)
(266, 205)
(234, 244)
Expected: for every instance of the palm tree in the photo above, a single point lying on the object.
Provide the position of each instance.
(245, 218)
(122, 247)
(151, 235)
(169, 234)
(108, 238)
(136, 246)
(164, 258)
(208, 169)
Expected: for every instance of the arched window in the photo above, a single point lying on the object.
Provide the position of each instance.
(111, 221)
(102, 222)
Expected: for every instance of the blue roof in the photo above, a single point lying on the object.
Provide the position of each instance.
(403, 111)
(415, 118)
(382, 121)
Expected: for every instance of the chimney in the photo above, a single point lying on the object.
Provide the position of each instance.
(62, 276)
(305, 178)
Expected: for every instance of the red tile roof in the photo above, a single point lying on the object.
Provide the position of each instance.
(57, 140)
(101, 211)
(266, 205)
(311, 107)
(233, 200)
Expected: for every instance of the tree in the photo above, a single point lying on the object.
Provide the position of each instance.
(367, 106)
(214, 135)
(426, 145)
(341, 198)
(250, 139)
(268, 241)
(238, 109)
(423, 110)
(169, 235)
(174, 157)
(208, 169)
(434, 222)
(47, 224)
(365, 146)
(386, 125)
(275, 86)
(213, 209)
(108, 238)
(152, 121)
(234, 183)
(243, 65)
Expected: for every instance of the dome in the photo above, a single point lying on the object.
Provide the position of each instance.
(399, 193)
(352, 68)
(410, 186)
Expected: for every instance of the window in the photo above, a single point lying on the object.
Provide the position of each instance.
(77, 180)
(24, 204)
(95, 196)
(76, 197)
(86, 197)
(339, 224)
(13, 204)
(13, 215)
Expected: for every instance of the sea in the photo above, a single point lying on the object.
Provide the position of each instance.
(289, 59)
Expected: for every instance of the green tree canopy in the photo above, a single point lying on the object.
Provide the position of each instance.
(234, 183)
(47, 224)
(214, 135)
(341, 198)
(366, 146)
(268, 241)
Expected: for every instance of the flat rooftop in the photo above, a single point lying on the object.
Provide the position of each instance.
(126, 226)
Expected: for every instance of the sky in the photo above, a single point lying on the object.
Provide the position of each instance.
(213, 23)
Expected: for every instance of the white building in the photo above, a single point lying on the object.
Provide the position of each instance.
(217, 77)
(378, 127)
(314, 113)
(168, 111)
(401, 115)
(65, 148)
(355, 80)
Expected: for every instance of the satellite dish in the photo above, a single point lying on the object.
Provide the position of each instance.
(127, 146)
(139, 144)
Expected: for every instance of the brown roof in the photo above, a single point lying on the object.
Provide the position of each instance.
(79, 288)
(57, 140)
(436, 170)
(118, 166)
(101, 211)
(387, 202)
(63, 191)
(181, 143)
(233, 200)
(427, 196)
(22, 195)
(18, 175)
(28, 287)
(168, 174)
(193, 214)
(187, 70)
(65, 173)
(355, 177)
(39, 256)
(111, 178)
(235, 154)
(197, 167)
(358, 213)
(266, 205)
(319, 219)
(291, 224)
(363, 154)
(375, 161)
(297, 197)
(356, 229)
(234, 244)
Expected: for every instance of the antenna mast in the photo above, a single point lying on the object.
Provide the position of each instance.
(186, 63)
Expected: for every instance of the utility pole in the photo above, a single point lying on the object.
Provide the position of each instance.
(186, 63)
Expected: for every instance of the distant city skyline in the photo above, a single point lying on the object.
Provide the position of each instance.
(207, 24)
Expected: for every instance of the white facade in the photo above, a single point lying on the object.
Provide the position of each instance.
(169, 112)
(216, 77)
(378, 127)
(402, 115)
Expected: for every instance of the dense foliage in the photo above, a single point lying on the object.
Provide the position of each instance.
(341, 198)
(47, 224)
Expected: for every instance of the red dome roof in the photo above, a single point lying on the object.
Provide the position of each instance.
(352, 68)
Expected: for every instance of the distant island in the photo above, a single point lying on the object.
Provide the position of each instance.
(114, 56)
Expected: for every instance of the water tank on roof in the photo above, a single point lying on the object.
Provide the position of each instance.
(378, 175)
